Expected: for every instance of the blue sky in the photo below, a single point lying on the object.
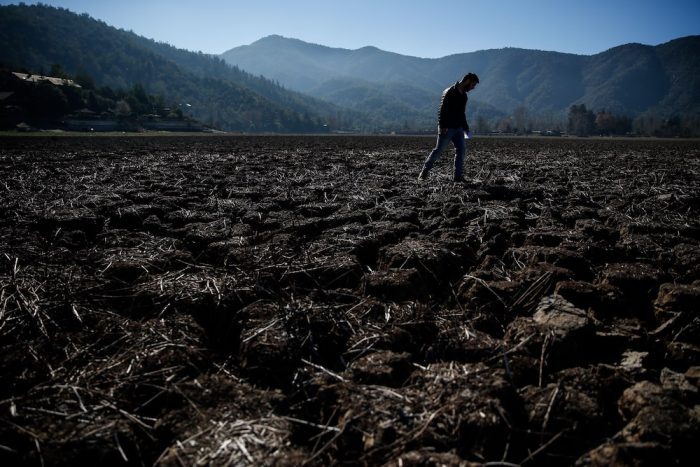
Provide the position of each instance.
(423, 28)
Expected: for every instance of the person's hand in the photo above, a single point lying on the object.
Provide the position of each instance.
(443, 131)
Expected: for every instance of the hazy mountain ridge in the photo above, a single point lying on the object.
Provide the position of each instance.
(629, 79)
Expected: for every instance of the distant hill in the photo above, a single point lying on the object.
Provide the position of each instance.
(630, 79)
(36, 37)
(287, 85)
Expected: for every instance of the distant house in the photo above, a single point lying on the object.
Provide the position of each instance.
(29, 78)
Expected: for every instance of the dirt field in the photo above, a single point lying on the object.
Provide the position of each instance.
(288, 300)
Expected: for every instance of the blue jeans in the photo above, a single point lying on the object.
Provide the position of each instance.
(456, 136)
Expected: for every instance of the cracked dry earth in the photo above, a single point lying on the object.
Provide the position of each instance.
(304, 300)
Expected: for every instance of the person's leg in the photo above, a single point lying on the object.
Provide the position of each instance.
(460, 150)
(440, 145)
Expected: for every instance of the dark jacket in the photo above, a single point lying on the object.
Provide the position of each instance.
(452, 107)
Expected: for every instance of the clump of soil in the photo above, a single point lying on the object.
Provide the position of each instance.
(289, 300)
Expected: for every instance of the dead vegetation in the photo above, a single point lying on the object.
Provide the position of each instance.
(303, 300)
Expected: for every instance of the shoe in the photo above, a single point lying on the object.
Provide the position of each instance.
(423, 175)
(459, 180)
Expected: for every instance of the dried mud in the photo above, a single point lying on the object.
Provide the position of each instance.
(289, 300)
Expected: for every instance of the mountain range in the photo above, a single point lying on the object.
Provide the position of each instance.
(630, 79)
(281, 84)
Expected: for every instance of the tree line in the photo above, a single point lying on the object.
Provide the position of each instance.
(582, 121)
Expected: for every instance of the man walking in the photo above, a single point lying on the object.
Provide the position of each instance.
(452, 125)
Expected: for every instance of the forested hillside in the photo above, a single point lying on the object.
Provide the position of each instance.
(35, 38)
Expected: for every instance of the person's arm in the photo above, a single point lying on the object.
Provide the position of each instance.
(465, 125)
(443, 112)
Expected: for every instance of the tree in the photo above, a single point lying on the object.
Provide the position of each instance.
(505, 125)
(482, 125)
(581, 120)
(520, 117)
(138, 100)
(646, 124)
(122, 109)
(57, 71)
(47, 101)
(605, 123)
(670, 127)
(97, 103)
(622, 125)
(85, 80)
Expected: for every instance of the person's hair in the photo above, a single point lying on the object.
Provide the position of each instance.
(470, 77)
